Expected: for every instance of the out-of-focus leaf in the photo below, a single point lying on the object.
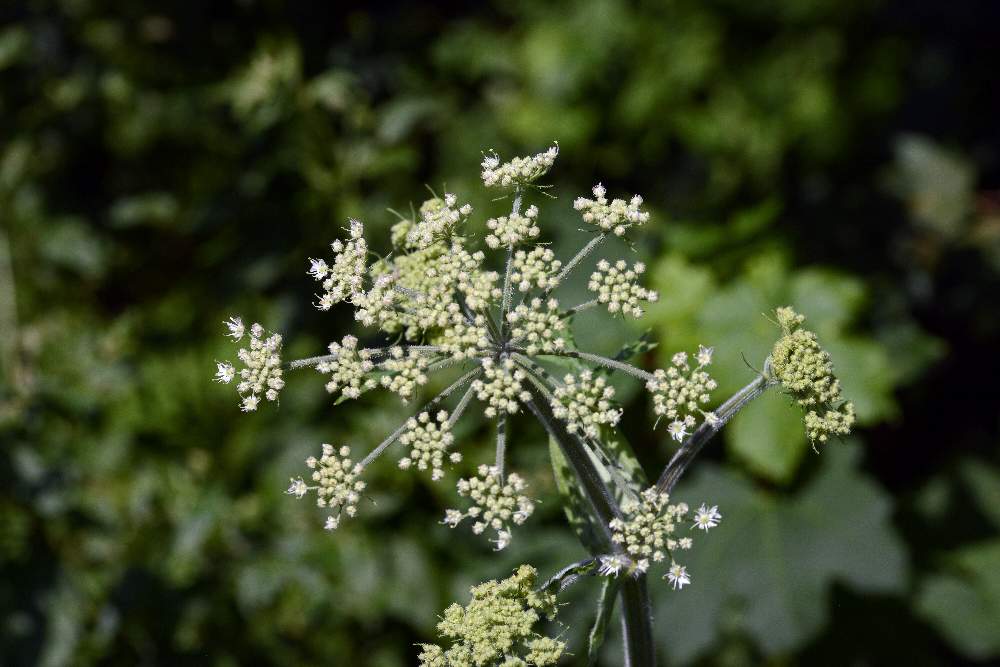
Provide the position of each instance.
(963, 601)
(983, 482)
(767, 568)
(936, 184)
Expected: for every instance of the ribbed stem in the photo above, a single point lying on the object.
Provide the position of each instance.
(685, 455)
(637, 623)
(501, 446)
(607, 363)
(579, 257)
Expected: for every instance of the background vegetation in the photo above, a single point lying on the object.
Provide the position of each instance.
(163, 165)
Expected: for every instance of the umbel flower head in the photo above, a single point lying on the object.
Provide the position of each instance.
(497, 627)
(261, 375)
(805, 371)
(647, 534)
(482, 305)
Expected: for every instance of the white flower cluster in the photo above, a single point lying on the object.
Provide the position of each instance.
(618, 288)
(585, 403)
(509, 231)
(466, 340)
(615, 217)
(438, 219)
(407, 372)
(337, 485)
(537, 325)
(261, 374)
(646, 531)
(679, 390)
(536, 268)
(376, 305)
(350, 370)
(496, 504)
(502, 387)
(345, 278)
(428, 441)
(519, 171)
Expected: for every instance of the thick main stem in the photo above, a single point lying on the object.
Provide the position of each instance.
(637, 623)
(685, 455)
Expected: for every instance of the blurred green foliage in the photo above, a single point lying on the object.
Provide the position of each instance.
(163, 165)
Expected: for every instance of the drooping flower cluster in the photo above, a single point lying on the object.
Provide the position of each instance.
(496, 503)
(428, 440)
(261, 375)
(615, 217)
(585, 404)
(805, 371)
(337, 485)
(520, 171)
(679, 391)
(510, 230)
(497, 627)
(617, 287)
(647, 533)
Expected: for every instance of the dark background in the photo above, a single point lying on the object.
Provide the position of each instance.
(164, 165)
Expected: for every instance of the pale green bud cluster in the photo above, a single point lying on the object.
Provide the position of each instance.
(585, 404)
(350, 369)
(520, 171)
(805, 371)
(536, 268)
(261, 375)
(509, 231)
(438, 220)
(679, 390)
(407, 372)
(501, 387)
(536, 325)
(428, 440)
(345, 278)
(496, 503)
(497, 627)
(617, 287)
(615, 217)
(466, 340)
(337, 485)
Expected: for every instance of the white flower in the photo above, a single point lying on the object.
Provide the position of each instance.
(318, 268)
(707, 517)
(297, 488)
(502, 539)
(617, 287)
(519, 171)
(612, 565)
(250, 403)
(677, 430)
(496, 503)
(235, 326)
(704, 355)
(615, 217)
(332, 523)
(224, 372)
(677, 576)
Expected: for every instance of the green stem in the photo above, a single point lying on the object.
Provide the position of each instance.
(685, 455)
(637, 623)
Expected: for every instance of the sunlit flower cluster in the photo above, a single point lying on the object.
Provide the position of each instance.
(349, 368)
(497, 627)
(406, 371)
(585, 403)
(615, 217)
(438, 220)
(509, 230)
(536, 268)
(617, 287)
(520, 171)
(336, 485)
(261, 375)
(496, 503)
(536, 326)
(428, 440)
(679, 391)
(647, 533)
(805, 371)
(345, 277)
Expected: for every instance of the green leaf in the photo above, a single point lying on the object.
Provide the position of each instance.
(767, 568)
(767, 437)
(983, 482)
(605, 607)
(574, 501)
(963, 602)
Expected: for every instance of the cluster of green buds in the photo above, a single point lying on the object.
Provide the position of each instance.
(805, 371)
(497, 627)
